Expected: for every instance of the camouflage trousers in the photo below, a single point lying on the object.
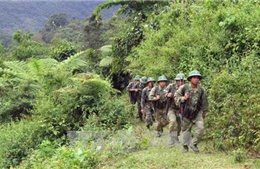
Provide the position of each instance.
(139, 113)
(174, 120)
(198, 127)
(160, 119)
(149, 115)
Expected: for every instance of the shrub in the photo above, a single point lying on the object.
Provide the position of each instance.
(62, 157)
(17, 140)
(234, 104)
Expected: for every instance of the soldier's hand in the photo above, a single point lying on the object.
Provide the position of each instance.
(158, 97)
(136, 90)
(203, 115)
(142, 110)
(186, 96)
(169, 95)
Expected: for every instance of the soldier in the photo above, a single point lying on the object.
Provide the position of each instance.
(133, 90)
(147, 107)
(158, 95)
(173, 113)
(195, 106)
(140, 87)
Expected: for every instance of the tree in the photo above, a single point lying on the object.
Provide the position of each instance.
(24, 47)
(134, 16)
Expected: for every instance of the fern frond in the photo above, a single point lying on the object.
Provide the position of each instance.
(107, 61)
(16, 66)
(37, 66)
(106, 50)
(8, 71)
(71, 63)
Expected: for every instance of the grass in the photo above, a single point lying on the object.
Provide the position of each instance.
(157, 155)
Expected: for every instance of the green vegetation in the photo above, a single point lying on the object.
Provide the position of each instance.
(63, 103)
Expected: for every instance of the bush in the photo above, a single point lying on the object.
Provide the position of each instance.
(63, 157)
(71, 107)
(17, 141)
(234, 104)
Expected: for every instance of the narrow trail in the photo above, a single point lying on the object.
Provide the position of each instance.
(158, 155)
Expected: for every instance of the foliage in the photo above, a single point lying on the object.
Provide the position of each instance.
(63, 157)
(57, 98)
(113, 116)
(71, 107)
(24, 47)
(234, 100)
(18, 89)
(136, 13)
(72, 32)
(61, 50)
(17, 140)
(3, 51)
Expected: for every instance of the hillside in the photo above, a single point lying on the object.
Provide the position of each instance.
(32, 15)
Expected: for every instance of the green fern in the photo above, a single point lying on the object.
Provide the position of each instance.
(71, 63)
(37, 67)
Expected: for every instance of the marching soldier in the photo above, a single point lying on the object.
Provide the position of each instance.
(158, 95)
(195, 106)
(147, 107)
(133, 90)
(173, 113)
(140, 87)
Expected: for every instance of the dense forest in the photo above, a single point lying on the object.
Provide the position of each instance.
(33, 15)
(63, 98)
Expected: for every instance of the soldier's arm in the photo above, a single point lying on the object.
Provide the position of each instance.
(168, 90)
(143, 96)
(129, 86)
(178, 96)
(205, 103)
(152, 95)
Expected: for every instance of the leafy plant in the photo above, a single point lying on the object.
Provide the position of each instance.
(62, 157)
(17, 141)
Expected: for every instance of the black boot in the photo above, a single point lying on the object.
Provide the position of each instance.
(185, 149)
(194, 148)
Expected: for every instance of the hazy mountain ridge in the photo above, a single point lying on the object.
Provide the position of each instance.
(32, 15)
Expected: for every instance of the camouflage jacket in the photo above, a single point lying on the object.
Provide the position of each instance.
(145, 96)
(132, 94)
(198, 99)
(132, 85)
(172, 88)
(161, 103)
(140, 88)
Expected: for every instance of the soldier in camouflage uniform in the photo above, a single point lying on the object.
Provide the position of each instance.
(140, 87)
(173, 113)
(194, 106)
(133, 90)
(147, 107)
(158, 95)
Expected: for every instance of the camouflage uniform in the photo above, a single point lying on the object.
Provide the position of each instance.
(192, 114)
(130, 88)
(147, 105)
(173, 114)
(140, 88)
(159, 106)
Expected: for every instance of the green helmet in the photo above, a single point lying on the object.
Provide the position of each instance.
(194, 73)
(162, 79)
(151, 79)
(180, 76)
(143, 80)
(137, 77)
